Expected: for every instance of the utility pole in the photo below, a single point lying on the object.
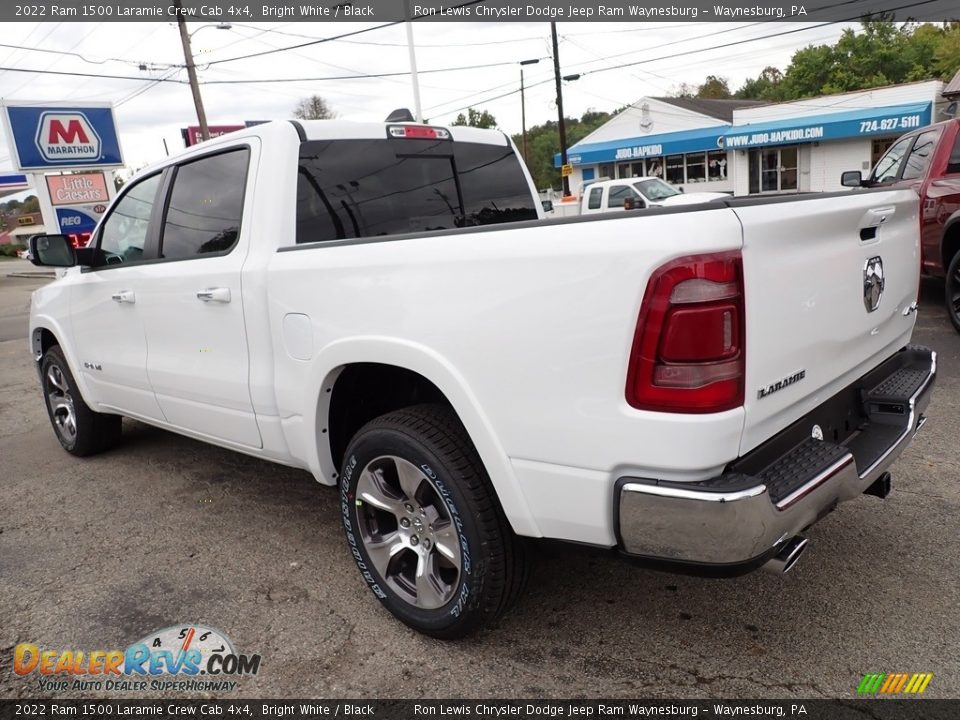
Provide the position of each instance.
(523, 108)
(192, 71)
(563, 128)
(413, 64)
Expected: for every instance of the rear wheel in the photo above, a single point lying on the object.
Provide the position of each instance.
(80, 430)
(424, 524)
(953, 291)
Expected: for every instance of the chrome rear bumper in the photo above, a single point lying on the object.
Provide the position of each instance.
(742, 517)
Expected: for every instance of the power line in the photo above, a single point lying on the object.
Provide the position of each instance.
(88, 75)
(483, 66)
(331, 38)
(71, 54)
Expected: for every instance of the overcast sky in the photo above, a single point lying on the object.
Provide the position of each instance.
(148, 114)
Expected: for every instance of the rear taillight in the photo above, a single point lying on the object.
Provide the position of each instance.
(688, 351)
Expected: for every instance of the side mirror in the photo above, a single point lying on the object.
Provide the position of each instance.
(680, 188)
(52, 251)
(633, 204)
(851, 178)
(547, 205)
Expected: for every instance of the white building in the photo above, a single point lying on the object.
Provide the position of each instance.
(805, 145)
(677, 139)
(749, 147)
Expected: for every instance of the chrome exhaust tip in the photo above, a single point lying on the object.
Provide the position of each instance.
(787, 555)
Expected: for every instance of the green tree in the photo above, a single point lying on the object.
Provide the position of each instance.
(766, 86)
(714, 87)
(313, 108)
(543, 143)
(947, 54)
(30, 205)
(476, 118)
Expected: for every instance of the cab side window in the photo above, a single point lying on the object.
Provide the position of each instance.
(888, 167)
(953, 163)
(595, 199)
(205, 207)
(124, 233)
(920, 155)
(618, 194)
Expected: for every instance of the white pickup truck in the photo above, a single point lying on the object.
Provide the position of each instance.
(637, 193)
(380, 305)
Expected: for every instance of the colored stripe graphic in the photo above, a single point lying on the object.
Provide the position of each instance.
(894, 683)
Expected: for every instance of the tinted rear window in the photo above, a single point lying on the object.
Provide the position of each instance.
(367, 188)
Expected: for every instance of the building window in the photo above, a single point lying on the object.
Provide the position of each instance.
(716, 165)
(606, 170)
(623, 170)
(637, 169)
(696, 167)
(878, 147)
(675, 169)
(774, 169)
(655, 168)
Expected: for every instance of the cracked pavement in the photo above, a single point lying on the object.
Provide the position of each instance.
(164, 530)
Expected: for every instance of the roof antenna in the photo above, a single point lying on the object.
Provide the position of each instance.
(400, 115)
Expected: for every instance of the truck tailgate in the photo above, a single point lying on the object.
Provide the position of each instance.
(818, 314)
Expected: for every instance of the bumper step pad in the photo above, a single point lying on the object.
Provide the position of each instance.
(804, 464)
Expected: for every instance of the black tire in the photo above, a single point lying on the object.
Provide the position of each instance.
(953, 292)
(454, 497)
(80, 430)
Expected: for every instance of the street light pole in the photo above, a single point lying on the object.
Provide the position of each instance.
(192, 72)
(523, 107)
(562, 127)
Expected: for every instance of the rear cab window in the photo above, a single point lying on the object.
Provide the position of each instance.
(389, 186)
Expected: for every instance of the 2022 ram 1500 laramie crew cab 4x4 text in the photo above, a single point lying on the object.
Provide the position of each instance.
(382, 306)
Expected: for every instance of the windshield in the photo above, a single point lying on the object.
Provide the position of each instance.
(655, 190)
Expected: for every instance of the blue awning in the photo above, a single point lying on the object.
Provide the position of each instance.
(890, 120)
(636, 148)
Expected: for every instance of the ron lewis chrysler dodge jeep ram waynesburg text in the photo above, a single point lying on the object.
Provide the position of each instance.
(383, 306)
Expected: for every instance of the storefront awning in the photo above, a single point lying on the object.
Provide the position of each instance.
(636, 148)
(891, 120)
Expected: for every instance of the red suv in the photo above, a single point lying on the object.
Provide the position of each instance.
(928, 160)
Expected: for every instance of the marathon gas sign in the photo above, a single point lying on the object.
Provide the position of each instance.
(47, 137)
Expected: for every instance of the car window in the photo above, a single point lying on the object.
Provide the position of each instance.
(953, 163)
(920, 155)
(379, 187)
(618, 194)
(206, 203)
(888, 167)
(124, 233)
(655, 190)
(596, 198)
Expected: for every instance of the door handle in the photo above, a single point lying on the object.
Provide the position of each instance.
(876, 217)
(124, 296)
(221, 295)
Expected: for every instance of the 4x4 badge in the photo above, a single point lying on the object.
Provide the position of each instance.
(872, 283)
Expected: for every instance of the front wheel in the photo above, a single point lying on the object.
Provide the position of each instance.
(953, 291)
(424, 524)
(80, 430)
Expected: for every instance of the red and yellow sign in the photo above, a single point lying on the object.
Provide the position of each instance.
(78, 189)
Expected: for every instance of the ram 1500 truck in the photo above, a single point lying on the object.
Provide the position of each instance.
(381, 305)
(928, 161)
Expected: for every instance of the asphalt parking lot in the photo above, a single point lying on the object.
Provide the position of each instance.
(96, 553)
